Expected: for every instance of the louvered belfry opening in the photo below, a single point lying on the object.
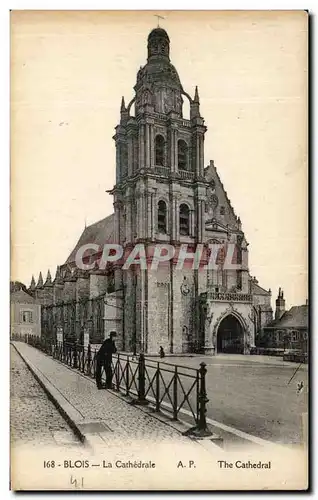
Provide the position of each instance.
(184, 220)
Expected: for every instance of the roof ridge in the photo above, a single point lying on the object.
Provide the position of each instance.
(225, 192)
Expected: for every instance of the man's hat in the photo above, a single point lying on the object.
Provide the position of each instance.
(113, 334)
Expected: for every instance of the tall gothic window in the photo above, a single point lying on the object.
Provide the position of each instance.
(160, 150)
(239, 280)
(184, 220)
(182, 155)
(239, 250)
(162, 217)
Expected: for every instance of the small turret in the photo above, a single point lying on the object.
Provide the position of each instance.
(280, 305)
(195, 105)
(32, 284)
(124, 115)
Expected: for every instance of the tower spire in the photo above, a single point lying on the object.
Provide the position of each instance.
(48, 281)
(122, 106)
(32, 284)
(40, 281)
(196, 95)
(195, 105)
(124, 115)
(58, 277)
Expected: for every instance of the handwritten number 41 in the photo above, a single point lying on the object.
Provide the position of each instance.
(77, 483)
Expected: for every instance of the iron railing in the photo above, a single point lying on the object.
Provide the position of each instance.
(171, 388)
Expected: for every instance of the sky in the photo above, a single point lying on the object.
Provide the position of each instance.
(69, 71)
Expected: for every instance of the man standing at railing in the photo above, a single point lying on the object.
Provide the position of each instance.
(104, 359)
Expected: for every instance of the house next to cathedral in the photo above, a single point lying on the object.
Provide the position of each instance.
(164, 194)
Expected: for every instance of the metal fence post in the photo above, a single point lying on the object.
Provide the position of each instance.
(75, 356)
(69, 354)
(127, 376)
(117, 372)
(141, 382)
(203, 400)
(89, 360)
(83, 359)
(201, 429)
(175, 394)
(158, 388)
(79, 353)
(94, 365)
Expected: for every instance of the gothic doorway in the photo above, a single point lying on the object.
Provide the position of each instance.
(230, 336)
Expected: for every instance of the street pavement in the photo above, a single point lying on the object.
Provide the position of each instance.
(34, 419)
(253, 394)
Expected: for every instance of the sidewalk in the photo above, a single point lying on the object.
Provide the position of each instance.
(102, 418)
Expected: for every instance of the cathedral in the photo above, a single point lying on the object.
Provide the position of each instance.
(164, 194)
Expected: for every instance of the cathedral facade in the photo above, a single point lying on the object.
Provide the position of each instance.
(164, 195)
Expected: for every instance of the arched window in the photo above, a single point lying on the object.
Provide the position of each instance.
(184, 220)
(162, 217)
(160, 150)
(182, 155)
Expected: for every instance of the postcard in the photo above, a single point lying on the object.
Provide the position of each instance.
(159, 289)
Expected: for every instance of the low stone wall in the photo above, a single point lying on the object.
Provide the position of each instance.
(268, 351)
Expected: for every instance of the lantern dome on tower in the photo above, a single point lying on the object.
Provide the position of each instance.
(158, 44)
(158, 84)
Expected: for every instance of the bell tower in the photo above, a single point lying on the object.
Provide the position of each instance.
(159, 197)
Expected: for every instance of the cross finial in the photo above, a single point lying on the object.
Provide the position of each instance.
(158, 17)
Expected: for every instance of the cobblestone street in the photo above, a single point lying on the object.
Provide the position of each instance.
(34, 418)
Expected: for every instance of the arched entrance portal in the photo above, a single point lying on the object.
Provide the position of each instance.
(230, 336)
